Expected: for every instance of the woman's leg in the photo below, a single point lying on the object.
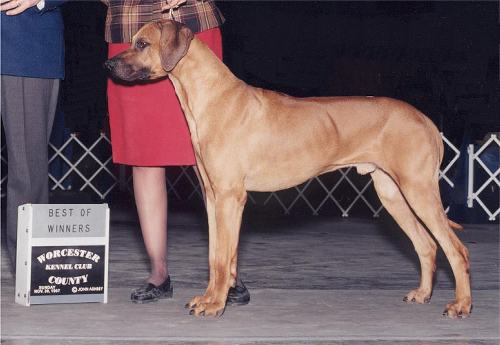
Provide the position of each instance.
(151, 200)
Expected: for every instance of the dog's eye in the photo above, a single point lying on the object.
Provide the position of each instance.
(141, 44)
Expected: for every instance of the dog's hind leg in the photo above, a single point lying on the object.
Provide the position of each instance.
(423, 196)
(223, 247)
(396, 205)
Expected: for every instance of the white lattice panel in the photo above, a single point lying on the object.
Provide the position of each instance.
(77, 161)
(3, 179)
(475, 187)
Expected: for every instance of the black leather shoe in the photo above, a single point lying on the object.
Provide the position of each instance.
(238, 295)
(152, 293)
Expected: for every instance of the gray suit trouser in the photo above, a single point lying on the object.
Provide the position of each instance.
(28, 109)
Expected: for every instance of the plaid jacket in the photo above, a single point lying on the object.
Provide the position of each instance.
(126, 17)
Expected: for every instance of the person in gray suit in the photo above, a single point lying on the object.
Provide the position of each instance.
(32, 65)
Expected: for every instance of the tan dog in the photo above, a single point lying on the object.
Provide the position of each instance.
(250, 139)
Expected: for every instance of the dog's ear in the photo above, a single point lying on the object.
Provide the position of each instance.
(174, 43)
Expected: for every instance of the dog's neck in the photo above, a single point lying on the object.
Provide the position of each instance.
(196, 77)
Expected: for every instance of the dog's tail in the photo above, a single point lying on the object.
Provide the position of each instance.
(455, 226)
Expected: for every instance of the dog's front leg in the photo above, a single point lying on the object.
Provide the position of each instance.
(212, 233)
(223, 247)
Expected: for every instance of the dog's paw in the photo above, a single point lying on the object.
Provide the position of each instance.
(418, 296)
(460, 308)
(197, 300)
(203, 306)
(207, 309)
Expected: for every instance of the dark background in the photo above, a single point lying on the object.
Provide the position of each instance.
(440, 56)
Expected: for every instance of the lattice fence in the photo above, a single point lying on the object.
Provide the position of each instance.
(76, 165)
(82, 166)
(484, 167)
(3, 162)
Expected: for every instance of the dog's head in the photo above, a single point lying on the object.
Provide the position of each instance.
(156, 49)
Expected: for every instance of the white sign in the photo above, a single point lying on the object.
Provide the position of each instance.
(62, 253)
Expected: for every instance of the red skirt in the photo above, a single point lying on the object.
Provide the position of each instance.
(148, 127)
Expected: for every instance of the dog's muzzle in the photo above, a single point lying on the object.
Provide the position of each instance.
(124, 71)
(110, 64)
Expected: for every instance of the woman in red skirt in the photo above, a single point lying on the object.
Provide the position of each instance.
(149, 131)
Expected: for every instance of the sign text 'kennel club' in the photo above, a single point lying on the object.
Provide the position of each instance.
(62, 253)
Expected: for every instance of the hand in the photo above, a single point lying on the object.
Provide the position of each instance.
(14, 7)
(171, 4)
